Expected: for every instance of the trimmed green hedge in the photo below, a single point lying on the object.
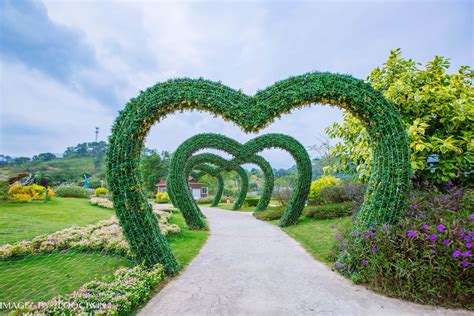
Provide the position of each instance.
(270, 214)
(251, 202)
(329, 211)
(73, 191)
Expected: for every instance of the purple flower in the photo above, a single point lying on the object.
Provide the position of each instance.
(444, 197)
(466, 254)
(463, 230)
(343, 249)
(464, 263)
(472, 217)
(365, 262)
(415, 206)
(446, 242)
(468, 245)
(432, 250)
(426, 227)
(374, 249)
(386, 226)
(467, 238)
(337, 236)
(332, 227)
(411, 233)
(440, 228)
(456, 253)
(421, 215)
(454, 208)
(370, 228)
(356, 233)
(339, 265)
(372, 234)
(366, 235)
(433, 238)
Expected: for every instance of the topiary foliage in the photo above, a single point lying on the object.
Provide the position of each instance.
(223, 165)
(201, 170)
(243, 154)
(389, 181)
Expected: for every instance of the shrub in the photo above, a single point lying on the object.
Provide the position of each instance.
(318, 185)
(342, 192)
(329, 211)
(100, 191)
(72, 191)
(270, 214)
(251, 202)
(282, 195)
(426, 257)
(205, 200)
(162, 198)
(27, 193)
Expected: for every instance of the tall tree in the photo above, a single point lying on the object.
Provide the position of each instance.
(438, 112)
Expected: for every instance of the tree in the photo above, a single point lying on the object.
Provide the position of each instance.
(437, 110)
(153, 167)
(44, 157)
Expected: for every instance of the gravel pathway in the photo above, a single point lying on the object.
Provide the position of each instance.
(249, 267)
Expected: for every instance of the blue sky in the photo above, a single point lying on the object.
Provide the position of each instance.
(68, 66)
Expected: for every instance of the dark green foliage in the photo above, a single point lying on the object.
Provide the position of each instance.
(343, 192)
(391, 163)
(153, 167)
(243, 154)
(270, 214)
(44, 157)
(426, 257)
(3, 190)
(72, 191)
(86, 149)
(329, 211)
(253, 201)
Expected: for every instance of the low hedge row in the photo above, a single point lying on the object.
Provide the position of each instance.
(270, 214)
(329, 211)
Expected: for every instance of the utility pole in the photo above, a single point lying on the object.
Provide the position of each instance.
(96, 134)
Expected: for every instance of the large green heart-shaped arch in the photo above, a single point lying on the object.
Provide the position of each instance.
(387, 187)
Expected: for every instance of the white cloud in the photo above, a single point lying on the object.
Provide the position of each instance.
(39, 114)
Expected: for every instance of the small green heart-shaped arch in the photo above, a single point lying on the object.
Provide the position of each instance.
(201, 170)
(243, 153)
(389, 180)
(223, 164)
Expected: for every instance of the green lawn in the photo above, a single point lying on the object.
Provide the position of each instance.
(317, 237)
(187, 244)
(20, 221)
(41, 277)
(229, 206)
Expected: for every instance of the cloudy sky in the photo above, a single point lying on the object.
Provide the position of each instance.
(69, 66)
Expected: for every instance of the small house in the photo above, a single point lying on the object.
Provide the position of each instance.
(198, 189)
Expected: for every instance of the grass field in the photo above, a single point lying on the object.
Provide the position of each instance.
(317, 237)
(20, 221)
(41, 277)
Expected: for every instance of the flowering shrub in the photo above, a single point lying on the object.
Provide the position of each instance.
(100, 191)
(162, 197)
(102, 202)
(426, 258)
(118, 294)
(27, 193)
(104, 236)
(318, 185)
(72, 191)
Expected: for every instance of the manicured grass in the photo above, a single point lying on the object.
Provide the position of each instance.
(317, 237)
(41, 277)
(20, 221)
(186, 245)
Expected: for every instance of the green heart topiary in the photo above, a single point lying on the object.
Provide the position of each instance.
(266, 168)
(223, 165)
(243, 154)
(386, 191)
